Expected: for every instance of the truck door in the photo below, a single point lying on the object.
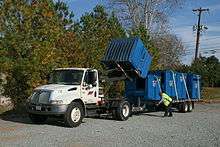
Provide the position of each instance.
(90, 87)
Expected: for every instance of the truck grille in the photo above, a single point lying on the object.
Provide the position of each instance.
(41, 97)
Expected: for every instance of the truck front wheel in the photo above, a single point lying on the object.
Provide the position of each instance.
(74, 115)
(123, 111)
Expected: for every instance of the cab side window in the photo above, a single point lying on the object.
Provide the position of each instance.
(91, 78)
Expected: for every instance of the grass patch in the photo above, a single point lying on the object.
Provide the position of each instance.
(211, 93)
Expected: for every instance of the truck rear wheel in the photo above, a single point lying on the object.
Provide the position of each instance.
(193, 106)
(190, 106)
(74, 115)
(183, 107)
(123, 111)
(38, 119)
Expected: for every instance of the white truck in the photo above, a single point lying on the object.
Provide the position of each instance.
(72, 94)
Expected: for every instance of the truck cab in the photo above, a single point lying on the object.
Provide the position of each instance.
(67, 93)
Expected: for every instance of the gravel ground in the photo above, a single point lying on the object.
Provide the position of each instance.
(198, 128)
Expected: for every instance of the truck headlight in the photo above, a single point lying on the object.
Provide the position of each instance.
(56, 102)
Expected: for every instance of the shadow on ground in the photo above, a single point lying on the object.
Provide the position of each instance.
(13, 116)
(151, 115)
(21, 116)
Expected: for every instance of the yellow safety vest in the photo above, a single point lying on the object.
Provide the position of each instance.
(166, 99)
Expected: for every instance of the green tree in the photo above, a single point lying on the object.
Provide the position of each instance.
(64, 14)
(84, 44)
(208, 68)
(95, 31)
(29, 31)
(37, 36)
(213, 67)
(69, 45)
(199, 67)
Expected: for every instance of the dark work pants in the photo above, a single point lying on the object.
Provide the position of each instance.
(168, 110)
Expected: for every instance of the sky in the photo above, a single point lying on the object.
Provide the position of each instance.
(181, 22)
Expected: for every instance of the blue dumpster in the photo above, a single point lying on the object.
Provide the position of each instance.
(147, 89)
(173, 83)
(152, 88)
(135, 90)
(167, 81)
(180, 79)
(193, 84)
(130, 54)
(180, 86)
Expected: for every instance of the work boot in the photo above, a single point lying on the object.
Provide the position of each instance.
(165, 114)
(170, 115)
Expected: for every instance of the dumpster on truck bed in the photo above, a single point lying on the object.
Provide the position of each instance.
(193, 84)
(147, 89)
(174, 84)
(180, 86)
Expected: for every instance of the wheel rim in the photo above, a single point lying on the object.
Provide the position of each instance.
(190, 107)
(186, 108)
(75, 114)
(125, 110)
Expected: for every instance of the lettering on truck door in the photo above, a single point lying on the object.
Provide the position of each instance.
(90, 87)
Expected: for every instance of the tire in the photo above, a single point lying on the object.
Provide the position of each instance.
(185, 107)
(190, 106)
(114, 114)
(38, 119)
(123, 111)
(180, 107)
(193, 105)
(74, 115)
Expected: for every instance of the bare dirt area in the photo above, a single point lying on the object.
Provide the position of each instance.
(198, 128)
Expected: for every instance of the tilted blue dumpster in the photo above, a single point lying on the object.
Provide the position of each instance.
(130, 54)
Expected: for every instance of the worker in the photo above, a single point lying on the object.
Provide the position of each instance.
(167, 101)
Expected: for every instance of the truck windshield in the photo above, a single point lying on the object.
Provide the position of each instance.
(66, 77)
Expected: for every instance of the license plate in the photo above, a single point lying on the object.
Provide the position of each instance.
(38, 108)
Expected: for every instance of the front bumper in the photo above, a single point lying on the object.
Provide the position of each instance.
(46, 109)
